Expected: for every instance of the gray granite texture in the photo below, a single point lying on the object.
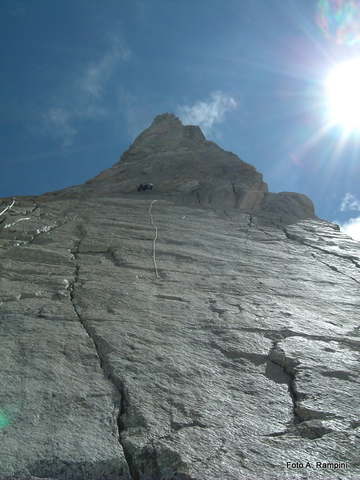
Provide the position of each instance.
(205, 329)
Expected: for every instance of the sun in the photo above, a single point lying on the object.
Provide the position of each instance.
(343, 90)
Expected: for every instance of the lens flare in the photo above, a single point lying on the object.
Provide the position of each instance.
(340, 20)
(8, 414)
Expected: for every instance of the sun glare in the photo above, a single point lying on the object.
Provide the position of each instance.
(343, 88)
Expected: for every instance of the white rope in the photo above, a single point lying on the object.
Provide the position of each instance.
(7, 208)
(155, 238)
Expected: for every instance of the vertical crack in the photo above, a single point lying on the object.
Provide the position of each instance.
(155, 238)
(249, 225)
(277, 356)
(307, 427)
(103, 349)
(237, 196)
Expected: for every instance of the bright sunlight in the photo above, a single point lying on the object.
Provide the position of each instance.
(343, 86)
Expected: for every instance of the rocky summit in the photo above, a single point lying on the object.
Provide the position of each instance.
(173, 319)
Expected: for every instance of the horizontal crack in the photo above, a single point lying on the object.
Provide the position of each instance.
(254, 358)
(285, 333)
(170, 297)
(335, 269)
(302, 241)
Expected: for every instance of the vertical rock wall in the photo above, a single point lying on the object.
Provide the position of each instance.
(203, 329)
(236, 355)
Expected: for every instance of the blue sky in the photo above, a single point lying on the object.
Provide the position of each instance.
(80, 79)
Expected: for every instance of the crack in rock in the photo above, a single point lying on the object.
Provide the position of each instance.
(170, 297)
(249, 225)
(27, 235)
(102, 349)
(302, 240)
(277, 356)
(285, 333)
(335, 269)
(303, 426)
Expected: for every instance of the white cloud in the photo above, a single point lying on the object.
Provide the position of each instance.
(60, 125)
(352, 228)
(83, 97)
(97, 74)
(350, 202)
(205, 114)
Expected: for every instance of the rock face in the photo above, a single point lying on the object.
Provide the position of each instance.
(202, 330)
(187, 169)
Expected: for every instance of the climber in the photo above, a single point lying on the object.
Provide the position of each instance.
(147, 186)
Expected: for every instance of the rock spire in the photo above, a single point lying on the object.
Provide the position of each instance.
(186, 168)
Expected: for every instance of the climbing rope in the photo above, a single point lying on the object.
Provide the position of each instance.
(8, 208)
(155, 238)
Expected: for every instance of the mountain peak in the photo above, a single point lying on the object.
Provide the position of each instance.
(166, 118)
(185, 168)
(166, 132)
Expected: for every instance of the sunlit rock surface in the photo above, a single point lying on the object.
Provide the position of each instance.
(187, 169)
(202, 330)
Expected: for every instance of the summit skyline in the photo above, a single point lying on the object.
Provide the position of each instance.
(82, 79)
